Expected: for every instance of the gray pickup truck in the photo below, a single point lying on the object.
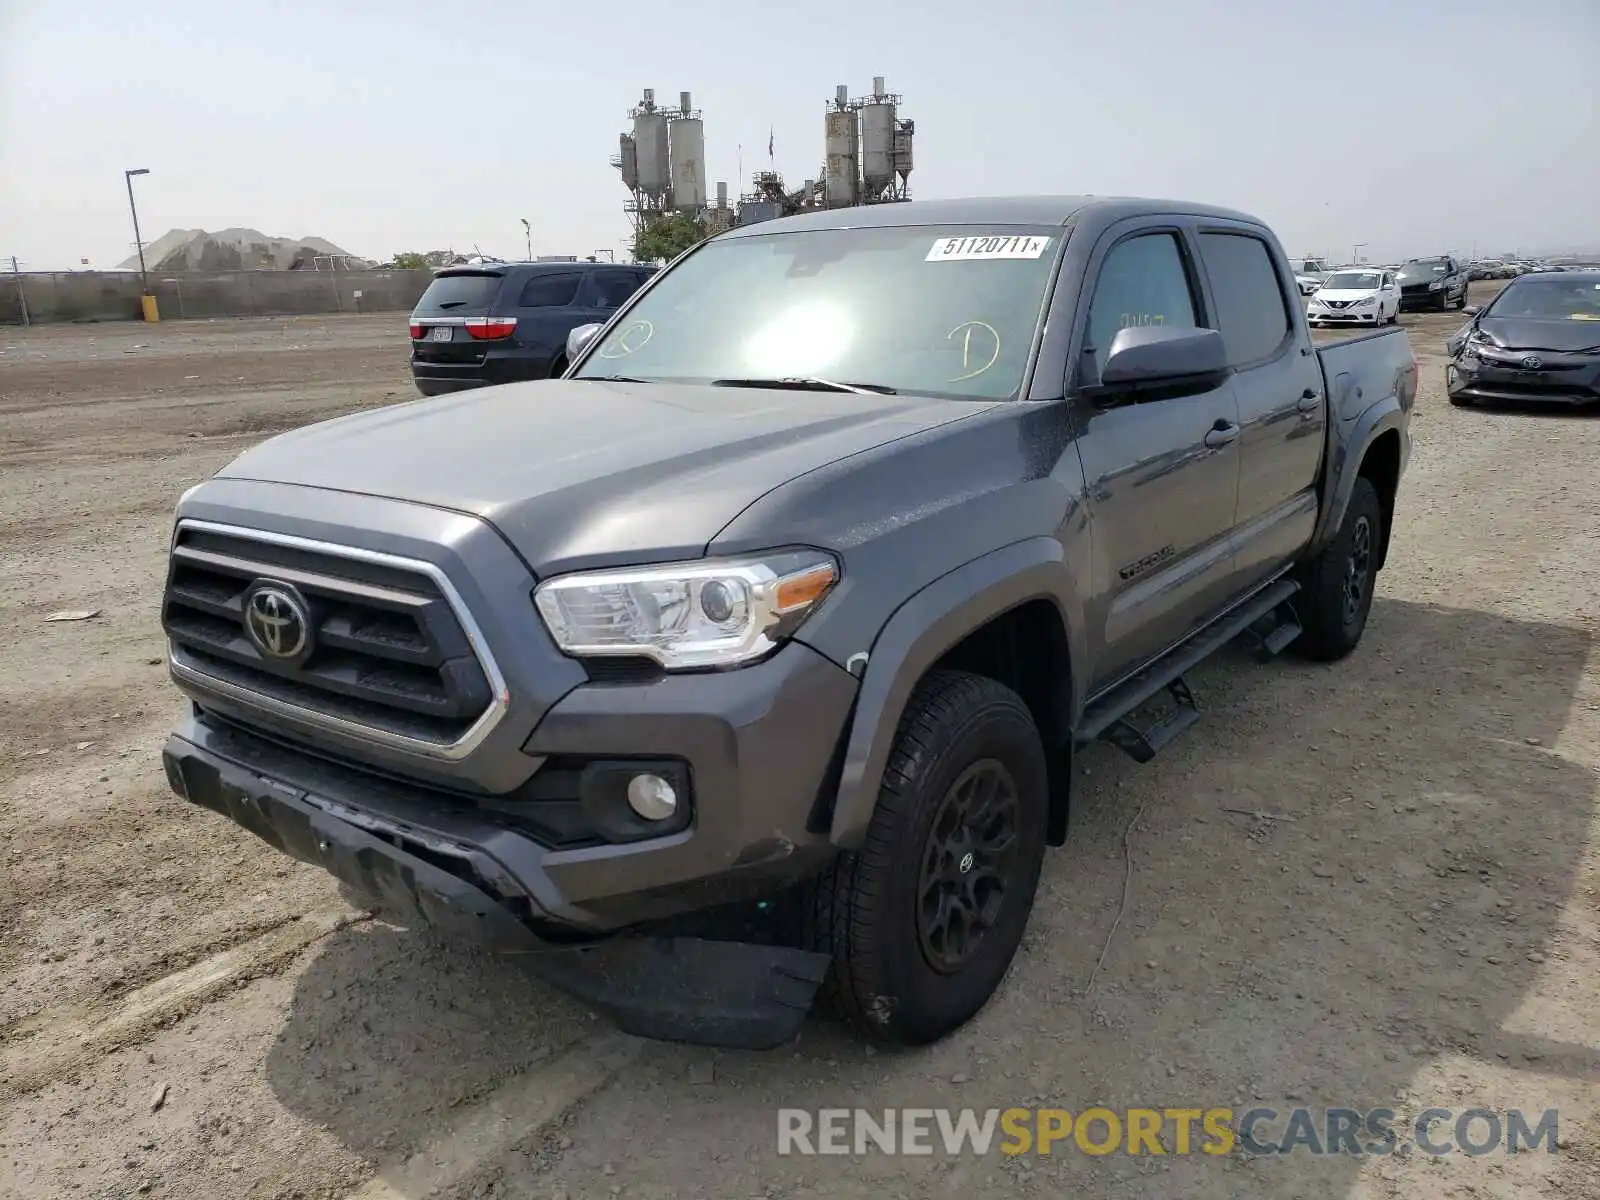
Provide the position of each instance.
(750, 658)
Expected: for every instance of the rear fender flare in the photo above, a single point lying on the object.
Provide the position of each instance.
(1350, 447)
(917, 634)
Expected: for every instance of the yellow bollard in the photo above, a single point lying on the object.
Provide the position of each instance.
(147, 303)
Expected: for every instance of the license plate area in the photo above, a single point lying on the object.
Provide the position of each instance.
(441, 333)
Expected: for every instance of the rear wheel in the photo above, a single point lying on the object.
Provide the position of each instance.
(924, 921)
(1337, 585)
(559, 367)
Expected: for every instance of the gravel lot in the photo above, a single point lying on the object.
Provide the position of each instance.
(1417, 923)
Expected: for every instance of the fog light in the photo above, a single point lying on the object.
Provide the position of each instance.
(652, 797)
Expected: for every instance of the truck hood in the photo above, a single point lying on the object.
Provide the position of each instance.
(578, 473)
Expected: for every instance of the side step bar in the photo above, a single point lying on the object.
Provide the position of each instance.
(1267, 623)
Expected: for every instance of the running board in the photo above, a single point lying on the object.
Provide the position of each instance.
(1111, 717)
(1271, 634)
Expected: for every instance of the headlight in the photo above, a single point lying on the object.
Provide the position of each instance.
(1366, 301)
(711, 613)
(1435, 285)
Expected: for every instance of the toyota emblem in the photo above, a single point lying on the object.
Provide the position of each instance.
(1532, 362)
(276, 621)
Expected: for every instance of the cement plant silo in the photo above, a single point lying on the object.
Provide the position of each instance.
(841, 142)
(902, 150)
(687, 169)
(650, 147)
(628, 162)
(877, 140)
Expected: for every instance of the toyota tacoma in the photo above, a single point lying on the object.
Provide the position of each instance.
(750, 658)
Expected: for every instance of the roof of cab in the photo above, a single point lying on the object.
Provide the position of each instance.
(988, 210)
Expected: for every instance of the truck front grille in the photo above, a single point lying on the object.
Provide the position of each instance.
(353, 641)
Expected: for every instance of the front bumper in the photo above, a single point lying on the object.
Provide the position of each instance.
(440, 862)
(1424, 300)
(1561, 380)
(1345, 316)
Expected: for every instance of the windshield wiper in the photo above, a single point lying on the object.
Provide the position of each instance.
(613, 379)
(809, 384)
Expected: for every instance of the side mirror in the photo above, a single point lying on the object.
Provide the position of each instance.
(1152, 355)
(580, 338)
(1473, 310)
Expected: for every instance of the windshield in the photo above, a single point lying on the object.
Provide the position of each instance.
(1426, 266)
(1549, 300)
(945, 311)
(1355, 281)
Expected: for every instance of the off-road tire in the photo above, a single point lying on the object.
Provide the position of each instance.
(863, 908)
(1331, 627)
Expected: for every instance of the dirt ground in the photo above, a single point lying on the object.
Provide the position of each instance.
(1414, 923)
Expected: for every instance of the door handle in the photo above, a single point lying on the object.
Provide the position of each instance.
(1309, 401)
(1221, 434)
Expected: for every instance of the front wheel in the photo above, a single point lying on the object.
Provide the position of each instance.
(924, 921)
(1337, 585)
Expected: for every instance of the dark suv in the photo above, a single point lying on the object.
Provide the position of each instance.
(504, 322)
(1439, 283)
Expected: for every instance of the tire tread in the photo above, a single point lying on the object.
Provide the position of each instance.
(847, 898)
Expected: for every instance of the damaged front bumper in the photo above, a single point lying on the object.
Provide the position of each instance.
(438, 869)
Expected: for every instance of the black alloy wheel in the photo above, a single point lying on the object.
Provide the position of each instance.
(1358, 570)
(967, 865)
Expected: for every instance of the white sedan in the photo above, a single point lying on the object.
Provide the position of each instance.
(1355, 298)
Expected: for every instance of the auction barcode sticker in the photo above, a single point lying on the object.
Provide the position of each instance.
(971, 249)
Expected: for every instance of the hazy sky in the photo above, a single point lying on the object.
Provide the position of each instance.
(1411, 125)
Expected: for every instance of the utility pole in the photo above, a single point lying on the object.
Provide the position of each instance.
(22, 298)
(144, 283)
(527, 231)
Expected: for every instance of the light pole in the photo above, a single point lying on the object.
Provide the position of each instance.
(527, 231)
(1355, 252)
(144, 283)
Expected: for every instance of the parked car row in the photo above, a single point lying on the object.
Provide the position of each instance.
(1494, 268)
(1377, 295)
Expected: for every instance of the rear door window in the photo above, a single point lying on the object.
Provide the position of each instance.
(608, 289)
(550, 289)
(1251, 310)
(458, 295)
